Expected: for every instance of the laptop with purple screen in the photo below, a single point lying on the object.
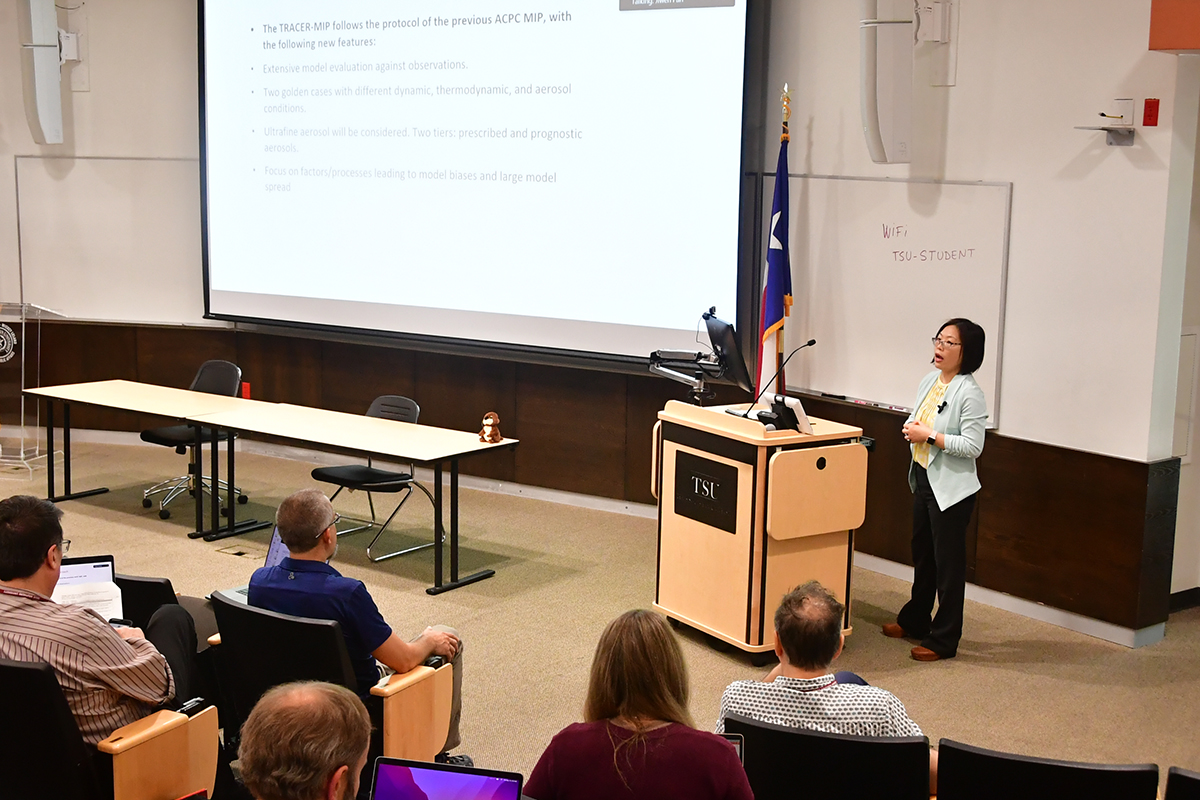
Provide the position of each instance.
(399, 779)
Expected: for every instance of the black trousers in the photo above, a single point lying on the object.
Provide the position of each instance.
(172, 631)
(939, 551)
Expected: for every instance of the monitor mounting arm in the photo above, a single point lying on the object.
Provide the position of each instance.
(703, 367)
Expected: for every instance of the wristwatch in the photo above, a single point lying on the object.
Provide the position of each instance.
(932, 439)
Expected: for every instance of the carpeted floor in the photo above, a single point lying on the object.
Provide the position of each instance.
(563, 572)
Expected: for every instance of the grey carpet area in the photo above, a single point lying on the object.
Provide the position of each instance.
(563, 572)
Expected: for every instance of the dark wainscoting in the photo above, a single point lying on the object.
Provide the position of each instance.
(1077, 531)
(580, 430)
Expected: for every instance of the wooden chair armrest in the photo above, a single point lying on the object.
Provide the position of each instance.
(399, 681)
(166, 754)
(214, 640)
(145, 729)
(416, 711)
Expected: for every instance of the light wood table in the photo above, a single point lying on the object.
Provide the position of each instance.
(146, 398)
(355, 433)
(422, 444)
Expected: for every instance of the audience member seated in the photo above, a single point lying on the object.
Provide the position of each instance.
(638, 740)
(305, 741)
(802, 690)
(304, 585)
(109, 676)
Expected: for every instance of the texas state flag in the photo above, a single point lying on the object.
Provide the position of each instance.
(777, 283)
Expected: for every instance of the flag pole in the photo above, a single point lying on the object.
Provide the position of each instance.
(784, 138)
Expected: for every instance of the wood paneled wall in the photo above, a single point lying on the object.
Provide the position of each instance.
(1078, 531)
(1081, 532)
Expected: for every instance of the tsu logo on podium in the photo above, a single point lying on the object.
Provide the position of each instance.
(704, 486)
(706, 491)
(8, 343)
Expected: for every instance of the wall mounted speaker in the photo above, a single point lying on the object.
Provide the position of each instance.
(886, 75)
(40, 70)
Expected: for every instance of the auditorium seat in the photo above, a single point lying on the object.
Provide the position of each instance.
(42, 755)
(1182, 784)
(783, 762)
(258, 649)
(975, 773)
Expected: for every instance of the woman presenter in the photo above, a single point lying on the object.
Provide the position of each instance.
(946, 432)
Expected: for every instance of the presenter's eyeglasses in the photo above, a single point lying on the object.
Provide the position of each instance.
(940, 342)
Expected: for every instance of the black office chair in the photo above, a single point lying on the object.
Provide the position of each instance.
(785, 762)
(1182, 784)
(214, 377)
(369, 479)
(43, 755)
(980, 774)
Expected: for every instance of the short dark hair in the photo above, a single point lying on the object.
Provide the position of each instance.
(29, 527)
(298, 735)
(972, 338)
(809, 624)
(301, 518)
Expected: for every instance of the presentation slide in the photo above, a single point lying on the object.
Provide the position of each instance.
(562, 175)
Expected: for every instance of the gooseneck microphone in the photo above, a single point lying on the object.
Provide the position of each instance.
(809, 343)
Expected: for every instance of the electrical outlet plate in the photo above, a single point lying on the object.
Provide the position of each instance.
(1123, 111)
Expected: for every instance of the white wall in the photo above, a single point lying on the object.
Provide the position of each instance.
(1186, 572)
(1087, 239)
(141, 64)
(1086, 259)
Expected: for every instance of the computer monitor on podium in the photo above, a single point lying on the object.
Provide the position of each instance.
(729, 354)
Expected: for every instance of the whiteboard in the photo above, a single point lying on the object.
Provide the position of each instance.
(111, 239)
(877, 266)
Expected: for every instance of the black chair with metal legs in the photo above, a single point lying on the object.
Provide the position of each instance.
(371, 480)
(214, 377)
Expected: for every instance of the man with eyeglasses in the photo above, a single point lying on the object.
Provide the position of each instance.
(110, 676)
(305, 585)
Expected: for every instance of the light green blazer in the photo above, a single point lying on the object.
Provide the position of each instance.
(952, 471)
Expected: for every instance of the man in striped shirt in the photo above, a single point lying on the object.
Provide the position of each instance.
(803, 691)
(109, 676)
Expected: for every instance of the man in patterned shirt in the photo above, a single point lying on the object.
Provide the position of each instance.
(803, 692)
(109, 676)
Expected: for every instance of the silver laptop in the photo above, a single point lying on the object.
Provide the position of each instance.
(276, 553)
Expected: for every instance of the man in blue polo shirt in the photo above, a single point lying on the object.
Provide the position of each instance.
(304, 585)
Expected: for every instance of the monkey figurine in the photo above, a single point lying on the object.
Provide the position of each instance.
(491, 428)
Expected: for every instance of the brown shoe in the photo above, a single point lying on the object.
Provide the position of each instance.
(893, 631)
(924, 654)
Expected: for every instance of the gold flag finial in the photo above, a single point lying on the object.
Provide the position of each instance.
(786, 98)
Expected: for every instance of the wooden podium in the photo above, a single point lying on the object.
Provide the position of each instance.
(746, 514)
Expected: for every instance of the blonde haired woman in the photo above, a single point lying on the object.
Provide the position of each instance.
(638, 740)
